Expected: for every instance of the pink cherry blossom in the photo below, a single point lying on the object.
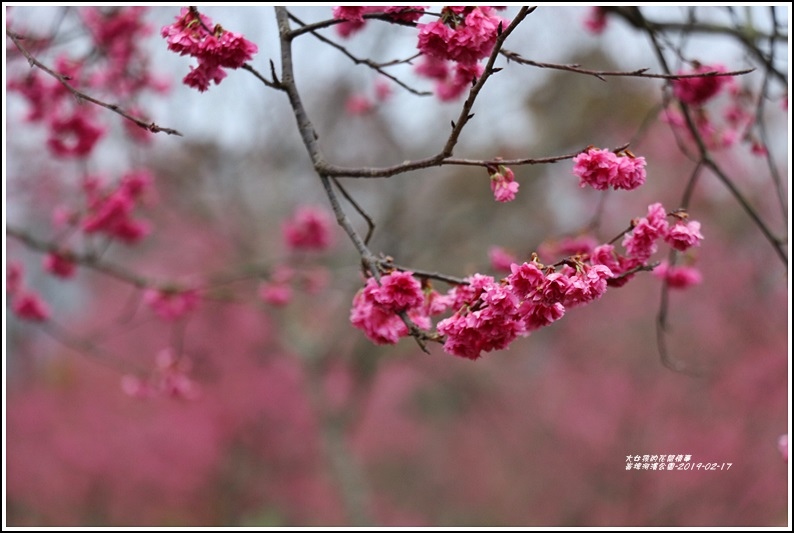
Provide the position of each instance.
(684, 235)
(215, 48)
(677, 276)
(596, 168)
(398, 291)
(59, 264)
(171, 304)
(451, 88)
(504, 185)
(640, 244)
(433, 68)
(379, 325)
(434, 38)
(30, 306)
(491, 326)
(631, 173)
(697, 91)
(472, 37)
(309, 228)
(601, 169)
(596, 20)
(536, 315)
(782, 445)
(526, 280)
(350, 13)
(588, 284)
(75, 135)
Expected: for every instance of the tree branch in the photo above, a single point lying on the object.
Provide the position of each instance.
(64, 80)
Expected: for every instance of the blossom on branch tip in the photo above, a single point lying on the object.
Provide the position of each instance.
(504, 185)
(215, 48)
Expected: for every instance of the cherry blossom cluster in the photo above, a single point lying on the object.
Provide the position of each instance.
(699, 90)
(377, 307)
(120, 68)
(452, 46)
(118, 34)
(602, 169)
(215, 48)
(109, 209)
(73, 128)
(720, 125)
(489, 314)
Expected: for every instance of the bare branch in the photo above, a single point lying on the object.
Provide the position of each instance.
(377, 67)
(639, 73)
(91, 261)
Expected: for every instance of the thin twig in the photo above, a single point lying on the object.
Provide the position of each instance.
(88, 260)
(371, 64)
(438, 161)
(488, 71)
(452, 280)
(601, 74)
(360, 210)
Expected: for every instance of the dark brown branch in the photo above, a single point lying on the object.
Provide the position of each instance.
(438, 161)
(311, 28)
(465, 112)
(452, 280)
(601, 74)
(746, 36)
(377, 67)
(272, 84)
(360, 210)
(64, 80)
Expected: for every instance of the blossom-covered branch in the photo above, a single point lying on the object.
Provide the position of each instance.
(64, 80)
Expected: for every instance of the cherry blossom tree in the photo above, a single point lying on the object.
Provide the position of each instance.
(95, 209)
